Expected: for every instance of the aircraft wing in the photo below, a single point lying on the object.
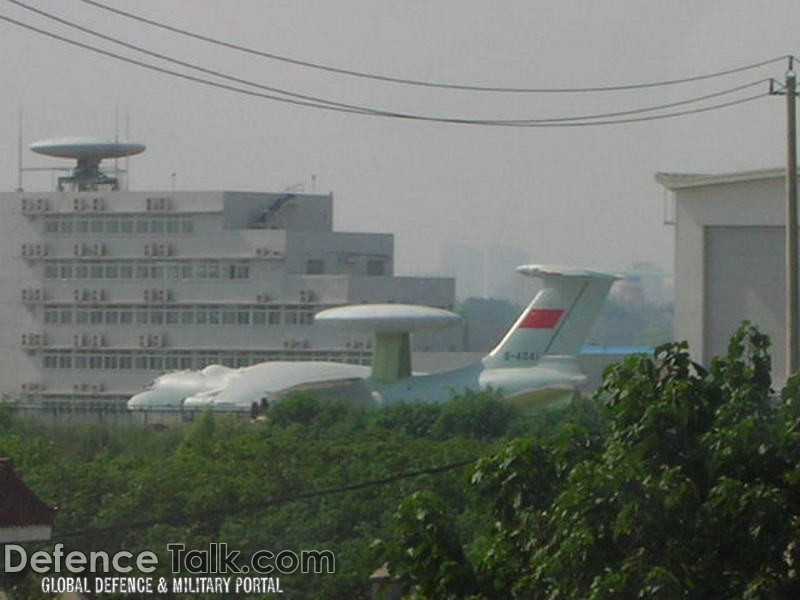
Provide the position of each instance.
(269, 380)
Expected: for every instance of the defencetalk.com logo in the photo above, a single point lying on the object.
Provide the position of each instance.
(212, 570)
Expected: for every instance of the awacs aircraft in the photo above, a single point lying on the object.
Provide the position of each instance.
(534, 361)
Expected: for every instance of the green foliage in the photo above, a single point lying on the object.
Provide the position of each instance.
(215, 480)
(434, 553)
(480, 415)
(691, 491)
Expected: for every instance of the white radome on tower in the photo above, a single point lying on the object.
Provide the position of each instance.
(86, 148)
(89, 152)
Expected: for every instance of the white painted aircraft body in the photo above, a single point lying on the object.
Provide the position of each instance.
(533, 363)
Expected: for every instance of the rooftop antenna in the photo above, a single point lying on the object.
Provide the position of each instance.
(127, 158)
(116, 139)
(485, 272)
(19, 152)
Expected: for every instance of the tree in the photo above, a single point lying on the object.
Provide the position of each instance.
(693, 492)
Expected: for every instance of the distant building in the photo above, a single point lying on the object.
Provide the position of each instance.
(729, 258)
(102, 290)
(487, 272)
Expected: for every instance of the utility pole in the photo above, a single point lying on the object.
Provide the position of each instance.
(791, 223)
(792, 305)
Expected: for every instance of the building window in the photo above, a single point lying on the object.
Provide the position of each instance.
(376, 266)
(315, 266)
(187, 359)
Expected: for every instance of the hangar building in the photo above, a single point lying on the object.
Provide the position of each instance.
(729, 259)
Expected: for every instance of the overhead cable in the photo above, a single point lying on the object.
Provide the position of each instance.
(326, 105)
(361, 108)
(432, 84)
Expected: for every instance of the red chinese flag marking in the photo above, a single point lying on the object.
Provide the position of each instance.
(541, 318)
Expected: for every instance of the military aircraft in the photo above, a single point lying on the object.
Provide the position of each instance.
(535, 362)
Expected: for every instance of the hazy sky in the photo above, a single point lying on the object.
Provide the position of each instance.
(581, 195)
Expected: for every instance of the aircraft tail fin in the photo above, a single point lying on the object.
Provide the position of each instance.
(558, 319)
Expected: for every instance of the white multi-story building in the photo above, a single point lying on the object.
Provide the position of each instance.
(101, 290)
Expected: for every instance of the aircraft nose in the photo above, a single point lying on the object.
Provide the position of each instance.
(142, 400)
(150, 399)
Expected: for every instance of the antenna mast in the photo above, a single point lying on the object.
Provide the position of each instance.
(19, 152)
(127, 158)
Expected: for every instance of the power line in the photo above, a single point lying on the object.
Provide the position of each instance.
(432, 84)
(575, 122)
(177, 520)
(161, 69)
(181, 62)
(370, 109)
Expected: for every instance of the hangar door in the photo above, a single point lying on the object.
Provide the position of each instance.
(744, 279)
